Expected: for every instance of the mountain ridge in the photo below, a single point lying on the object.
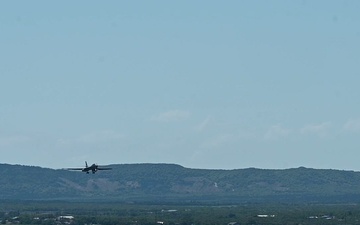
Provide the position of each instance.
(171, 182)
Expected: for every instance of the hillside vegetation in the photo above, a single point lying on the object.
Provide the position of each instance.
(174, 183)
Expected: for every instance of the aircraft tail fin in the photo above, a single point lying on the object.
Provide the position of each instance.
(86, 164)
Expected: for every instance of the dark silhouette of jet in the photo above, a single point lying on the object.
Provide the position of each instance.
(93, 168)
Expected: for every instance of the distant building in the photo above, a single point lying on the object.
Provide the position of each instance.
(233, 223)
(265, 216)
(66, 217)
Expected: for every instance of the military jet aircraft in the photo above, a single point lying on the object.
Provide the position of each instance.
(93, 168)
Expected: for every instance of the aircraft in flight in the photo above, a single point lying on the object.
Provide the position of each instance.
(93, 168)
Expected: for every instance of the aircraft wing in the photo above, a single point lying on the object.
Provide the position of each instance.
(104, 168)
(73, 168)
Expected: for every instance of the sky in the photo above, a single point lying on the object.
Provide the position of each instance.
(203, 84)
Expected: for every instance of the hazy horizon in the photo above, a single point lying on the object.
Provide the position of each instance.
(160, 163)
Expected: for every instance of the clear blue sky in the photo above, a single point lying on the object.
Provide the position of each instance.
(203, 84)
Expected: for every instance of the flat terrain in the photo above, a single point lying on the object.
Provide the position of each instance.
(26, 212)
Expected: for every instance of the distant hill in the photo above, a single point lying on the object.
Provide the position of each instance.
(174, 183)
